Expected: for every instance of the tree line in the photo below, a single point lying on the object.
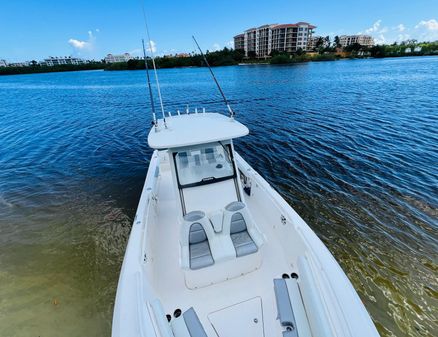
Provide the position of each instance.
(34, 67)
(324, 50)
(224, 57)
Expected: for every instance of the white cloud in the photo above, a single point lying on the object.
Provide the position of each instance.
(426, 30)
(379, 39)
(230, 44)
(152, 47)
(78, 44)
(83, 45)
(431, 24)
(374, 28)
(216, 47)
(401, 27)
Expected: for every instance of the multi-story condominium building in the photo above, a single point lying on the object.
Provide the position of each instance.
(363, 40)
(261, 41)
(56, 61)
(239, 42)
(3, 63)
(110, 58)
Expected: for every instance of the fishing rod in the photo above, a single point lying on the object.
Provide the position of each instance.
(154, 116)
(214, 78)
(153, 64)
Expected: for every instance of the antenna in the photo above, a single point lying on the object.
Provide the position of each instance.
(153, 64)
(214, 78)
(154, 117)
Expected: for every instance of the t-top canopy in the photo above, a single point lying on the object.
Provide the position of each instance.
(193, 129)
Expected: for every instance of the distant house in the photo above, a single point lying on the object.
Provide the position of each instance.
(19, 64)
(56, 61)
(182, 55)
(3, 63)
(417, 49)
(408, 50)
(111, 58)
(363, 40)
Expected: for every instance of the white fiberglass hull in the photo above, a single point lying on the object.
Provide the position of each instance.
(151, 271)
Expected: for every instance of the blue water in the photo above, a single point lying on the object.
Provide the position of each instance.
(351, 145)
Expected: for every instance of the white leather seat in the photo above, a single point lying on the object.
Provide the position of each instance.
(196, 236)
(238, 224)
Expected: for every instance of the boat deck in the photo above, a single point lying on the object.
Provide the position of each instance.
(248, 299)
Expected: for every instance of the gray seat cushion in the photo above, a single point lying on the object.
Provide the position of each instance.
(199, 249)
(200, 255)
(284, 307)
(193, 323)
(243, 243)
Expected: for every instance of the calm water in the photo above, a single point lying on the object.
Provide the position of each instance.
(351, 145)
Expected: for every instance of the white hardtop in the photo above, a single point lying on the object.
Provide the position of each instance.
(192, 129)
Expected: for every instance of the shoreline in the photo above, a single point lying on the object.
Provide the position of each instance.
(5, 71)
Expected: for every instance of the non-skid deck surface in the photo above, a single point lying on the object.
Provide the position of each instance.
(211, 302)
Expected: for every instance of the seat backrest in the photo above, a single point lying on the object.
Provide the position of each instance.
(237, 219)
(197, 233)
(195, 228)
(234, 218)
(237, 224)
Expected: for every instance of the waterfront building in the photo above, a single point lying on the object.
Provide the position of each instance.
(239, 42)
(363, 40)
(314, 41)
(261, 41)
(182, 55)
(111, 58)
(19, 64)
(56, 61)
(3, 63)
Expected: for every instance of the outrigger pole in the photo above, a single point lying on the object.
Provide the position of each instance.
(214, 78)
(155, 68)
(154, 116)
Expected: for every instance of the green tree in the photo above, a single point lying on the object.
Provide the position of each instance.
(337, 42)
(354, 47)
(251, 54)
(327, 41)
(319, 43)
(378, 51)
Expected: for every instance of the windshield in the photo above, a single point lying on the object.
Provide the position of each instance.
(204, 164)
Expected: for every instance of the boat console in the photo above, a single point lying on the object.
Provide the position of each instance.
(219, 239)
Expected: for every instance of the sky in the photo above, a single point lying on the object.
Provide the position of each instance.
(36, 29)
